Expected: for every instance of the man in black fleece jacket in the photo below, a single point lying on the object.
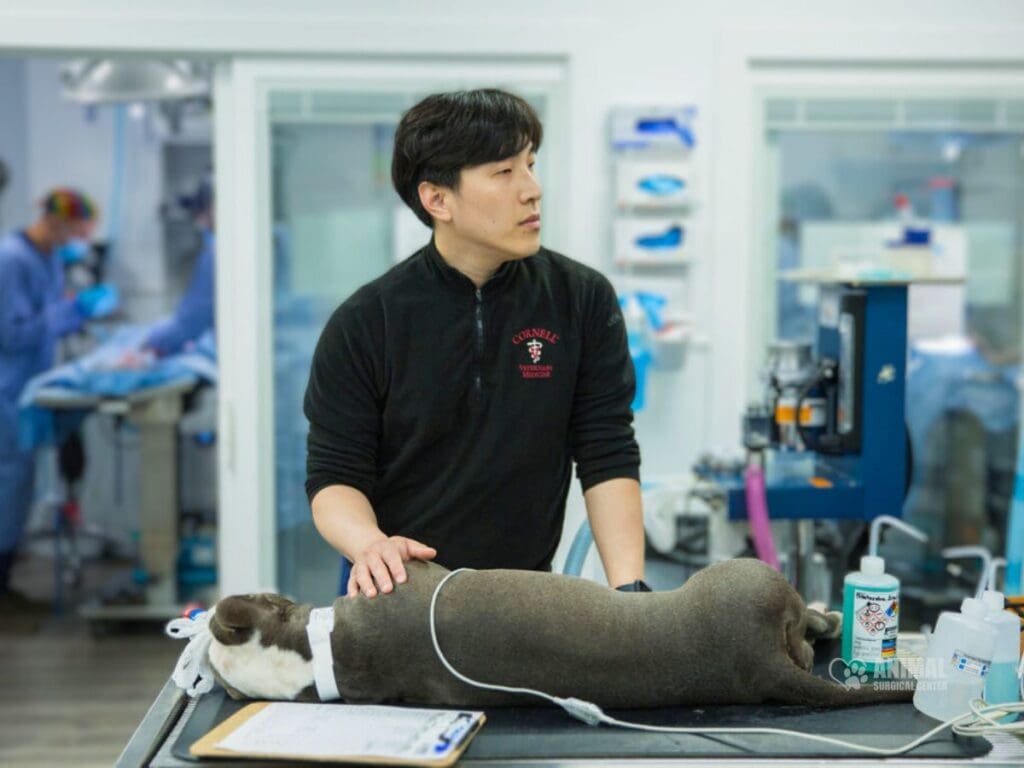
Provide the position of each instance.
(448, 398)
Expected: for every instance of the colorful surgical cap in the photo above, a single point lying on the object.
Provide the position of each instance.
(69, 204)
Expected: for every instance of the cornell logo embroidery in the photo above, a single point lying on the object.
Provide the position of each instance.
(533, 340)
(535, 347)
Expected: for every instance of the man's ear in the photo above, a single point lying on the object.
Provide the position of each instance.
(434, 200)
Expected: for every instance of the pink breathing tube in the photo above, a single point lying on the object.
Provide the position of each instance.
(757, 513)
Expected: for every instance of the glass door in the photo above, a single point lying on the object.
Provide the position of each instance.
(849, 181)
(330, 222)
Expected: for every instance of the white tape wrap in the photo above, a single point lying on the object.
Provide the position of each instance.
(193, 673)
(318, 630)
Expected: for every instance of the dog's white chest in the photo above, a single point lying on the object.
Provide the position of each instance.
(261, 672)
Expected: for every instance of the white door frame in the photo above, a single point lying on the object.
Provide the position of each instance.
(754, 63)
(247, 526)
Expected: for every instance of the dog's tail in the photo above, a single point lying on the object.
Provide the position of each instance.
(793, 685)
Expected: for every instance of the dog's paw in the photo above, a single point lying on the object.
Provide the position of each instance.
(824, 624)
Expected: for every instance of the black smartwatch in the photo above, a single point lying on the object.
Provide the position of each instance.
(634, 586)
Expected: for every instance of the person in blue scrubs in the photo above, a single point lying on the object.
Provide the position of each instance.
(34, 313)
(195, 312)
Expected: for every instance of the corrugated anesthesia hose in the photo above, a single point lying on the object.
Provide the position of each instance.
(757, 513)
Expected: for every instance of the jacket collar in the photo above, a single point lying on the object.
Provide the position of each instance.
(451, 277)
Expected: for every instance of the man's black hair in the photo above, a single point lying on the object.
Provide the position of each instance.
(447, 132)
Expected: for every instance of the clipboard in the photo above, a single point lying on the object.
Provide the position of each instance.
(448, 737)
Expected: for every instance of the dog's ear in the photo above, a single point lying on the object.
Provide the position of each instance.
(235, 618)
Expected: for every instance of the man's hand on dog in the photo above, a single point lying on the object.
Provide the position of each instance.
(380, 566)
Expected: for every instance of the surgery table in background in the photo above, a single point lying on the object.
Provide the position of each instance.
(156, 412)
(547, 736)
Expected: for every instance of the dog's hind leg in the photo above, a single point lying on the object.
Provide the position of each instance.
(795, 629)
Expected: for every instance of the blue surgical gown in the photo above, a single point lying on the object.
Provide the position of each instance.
(33, 314)
(194, 315)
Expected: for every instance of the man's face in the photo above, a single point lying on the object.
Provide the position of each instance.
(206, 220)
(66, 230)
(497, 206)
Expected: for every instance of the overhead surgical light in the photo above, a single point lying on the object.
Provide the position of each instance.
(113, 81)
(951, 150)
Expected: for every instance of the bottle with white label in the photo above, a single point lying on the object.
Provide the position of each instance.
(958, 660)
(871, 600)
(871, 604)
(1001, 684)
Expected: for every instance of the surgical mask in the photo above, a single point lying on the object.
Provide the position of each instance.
(73, 251)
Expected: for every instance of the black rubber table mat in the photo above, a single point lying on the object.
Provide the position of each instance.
(547, 732)
(541, 733)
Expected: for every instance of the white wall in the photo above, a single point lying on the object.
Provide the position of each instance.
(15, 201)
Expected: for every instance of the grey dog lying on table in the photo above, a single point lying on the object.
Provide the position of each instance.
(734, 633)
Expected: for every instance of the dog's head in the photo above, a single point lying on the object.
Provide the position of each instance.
(259, 648)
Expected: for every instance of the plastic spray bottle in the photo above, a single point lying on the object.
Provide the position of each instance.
(871, 603)
(1000, 681)
(958, 660)
(1001, 684)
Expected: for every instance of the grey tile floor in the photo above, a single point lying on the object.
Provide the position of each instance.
(67, 697)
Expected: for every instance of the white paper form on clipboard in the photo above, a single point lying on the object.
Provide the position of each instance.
(353, 733)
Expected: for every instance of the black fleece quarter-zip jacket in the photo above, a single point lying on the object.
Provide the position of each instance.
(458, 411)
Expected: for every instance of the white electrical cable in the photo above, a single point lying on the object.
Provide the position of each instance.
(591, 714)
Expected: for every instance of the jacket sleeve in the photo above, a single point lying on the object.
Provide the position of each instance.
(601, 424)
(343, 401)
